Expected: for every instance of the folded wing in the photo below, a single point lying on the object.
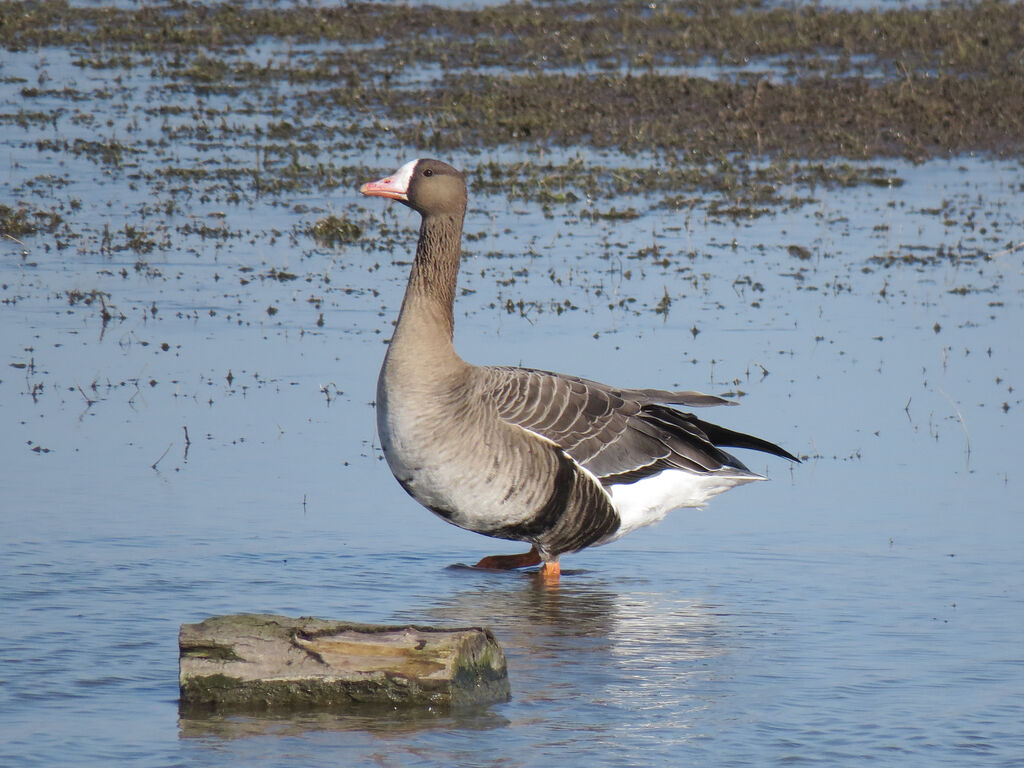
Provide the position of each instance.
(619, 435)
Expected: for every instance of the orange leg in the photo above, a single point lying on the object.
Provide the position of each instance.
(508, 562)
(550, 572)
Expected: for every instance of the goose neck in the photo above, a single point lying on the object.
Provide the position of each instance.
(427, 316)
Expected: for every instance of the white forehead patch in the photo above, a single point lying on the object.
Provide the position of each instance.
(403, 176)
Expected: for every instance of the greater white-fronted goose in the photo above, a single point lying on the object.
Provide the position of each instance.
(557, 461)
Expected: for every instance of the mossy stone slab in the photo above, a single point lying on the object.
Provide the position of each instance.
(264, 662)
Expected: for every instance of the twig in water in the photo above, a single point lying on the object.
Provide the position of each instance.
(19, 242)
(1008, 251)
(89, 403)
(963, 424)
(153, 465)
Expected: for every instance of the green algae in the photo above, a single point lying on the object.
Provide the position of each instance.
(23, 220)
(856, 83)
(816, 118)
(967, 36)
(740, 108)
(333, 231)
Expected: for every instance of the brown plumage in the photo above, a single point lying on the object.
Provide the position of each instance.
(558, 461)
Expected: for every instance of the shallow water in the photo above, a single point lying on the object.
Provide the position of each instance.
(864, 605)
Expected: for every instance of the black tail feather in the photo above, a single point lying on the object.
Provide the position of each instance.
(721, 436)
(718, 436)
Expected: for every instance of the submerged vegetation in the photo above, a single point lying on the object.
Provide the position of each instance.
(199, 162)
(742, 109)
(695, 77)
(333, 231)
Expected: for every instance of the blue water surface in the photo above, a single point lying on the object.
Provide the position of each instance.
(196, 454)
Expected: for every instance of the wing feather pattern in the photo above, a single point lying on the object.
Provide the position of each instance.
(619, 435)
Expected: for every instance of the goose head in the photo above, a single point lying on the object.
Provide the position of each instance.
(429, 187)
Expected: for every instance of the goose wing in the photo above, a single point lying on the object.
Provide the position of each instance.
(620, 435)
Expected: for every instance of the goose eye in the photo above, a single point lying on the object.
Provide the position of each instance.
(428, 172)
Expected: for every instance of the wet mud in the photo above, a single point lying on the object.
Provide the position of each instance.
(695, 78)
(756, 105)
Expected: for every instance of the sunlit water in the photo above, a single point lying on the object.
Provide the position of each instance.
(865, 605)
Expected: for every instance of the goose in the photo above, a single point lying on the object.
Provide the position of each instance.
(556, 461)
